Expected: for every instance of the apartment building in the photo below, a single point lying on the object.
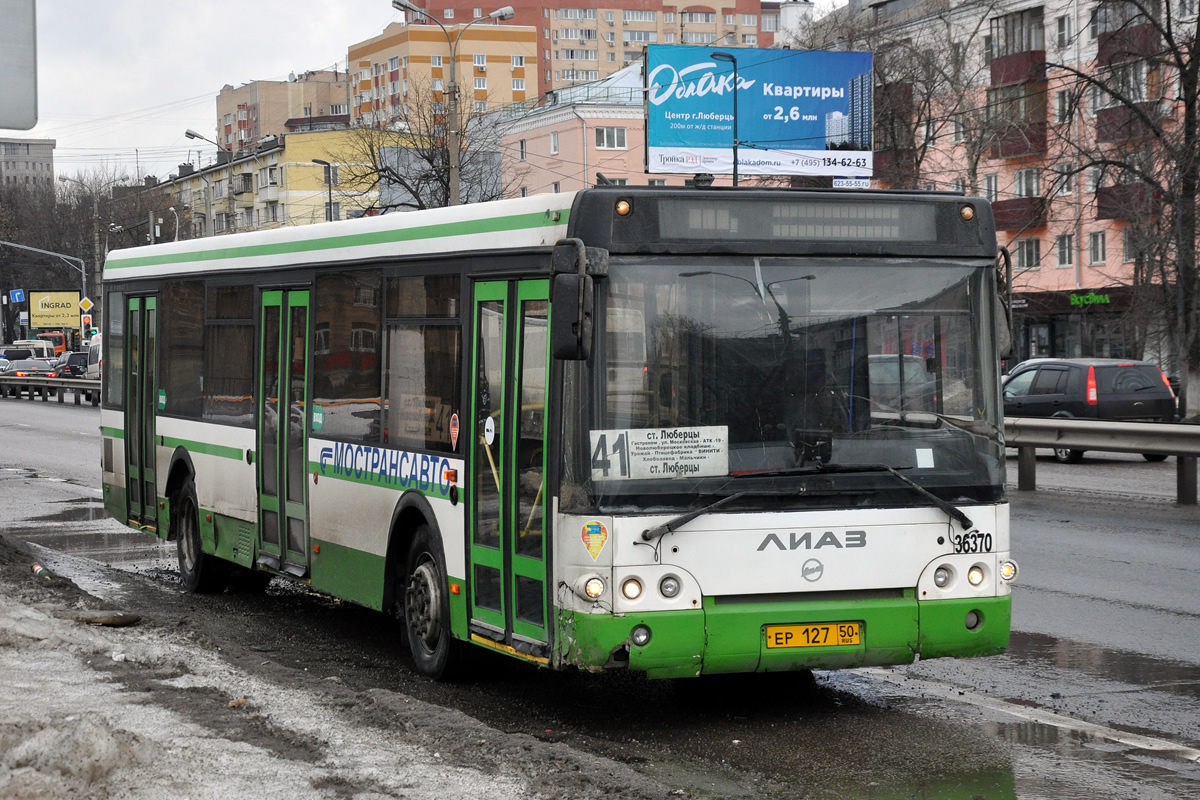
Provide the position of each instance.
(26, 162)
(587, 42)
(313, 100)
(271, 185)
(1023, 129)
(409, 65)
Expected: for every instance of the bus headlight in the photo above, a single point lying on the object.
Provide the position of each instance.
(975, 575)
(631, 588)
(941, 577)
(594, 587)
(640, 635)
(1008, 571)
(669, 586)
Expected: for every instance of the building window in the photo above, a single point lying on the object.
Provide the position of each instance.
(1130, 251)
(1064, 248)
(436, 84)
(554, 144)
(958, 131)
(1064, 179)
(959, 185)
(730, 19)
(329, 175)
(750, 39)
(1062, 106)
(481, 84)
(1026, 183)
(1027, 253)
(770, 23)
(554, 187)
(481, 106)
(479, 60)
(1096, 250)
(521, 150)
(657, 182)
(1065, 34)
(991, 188)
(750, 20)
(435, 61)
(524, 191)
(448, 13)
(669, 17)
(333, 211)
(1095, 178)
(517, 61)
(610, 138)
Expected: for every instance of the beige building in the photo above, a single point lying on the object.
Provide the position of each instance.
(585, 43)
(26, 162)
(312, 100)
(273, 185)
(493, 66)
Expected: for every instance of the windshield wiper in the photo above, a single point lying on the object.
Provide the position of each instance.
(827, 469)
(674, 523)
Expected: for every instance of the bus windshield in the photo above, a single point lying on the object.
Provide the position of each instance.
(716, 375)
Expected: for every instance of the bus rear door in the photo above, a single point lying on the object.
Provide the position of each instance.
(283, 405)
(141, 404)
(508, 558)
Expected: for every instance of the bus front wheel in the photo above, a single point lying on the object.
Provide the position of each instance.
(199, 572)
(427, 604)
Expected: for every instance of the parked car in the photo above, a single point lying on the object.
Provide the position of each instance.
(1090, 388)
(72, 365)
(95, 353)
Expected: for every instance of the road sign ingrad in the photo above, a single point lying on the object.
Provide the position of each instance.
(53, 309)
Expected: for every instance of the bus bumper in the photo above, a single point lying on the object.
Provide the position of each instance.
(731, 637)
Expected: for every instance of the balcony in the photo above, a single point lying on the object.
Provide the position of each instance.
(1123, 124)
(1132, 43)
(1128, 201)
(1026, 67)
(1020, 213)
(1020, 140)
(268, 194)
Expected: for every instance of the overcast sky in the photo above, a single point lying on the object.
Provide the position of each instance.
(119, 81)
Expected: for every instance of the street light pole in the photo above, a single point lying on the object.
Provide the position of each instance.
(329, 182)
(722, 56)
(452, 131)
(230, 223)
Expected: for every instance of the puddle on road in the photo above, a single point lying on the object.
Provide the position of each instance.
(1117, 665)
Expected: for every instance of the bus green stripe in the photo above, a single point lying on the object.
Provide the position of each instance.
(112, 433)
(205, 448)
(444, 230)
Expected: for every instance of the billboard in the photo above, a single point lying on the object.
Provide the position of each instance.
(54, 309)
(798, 112)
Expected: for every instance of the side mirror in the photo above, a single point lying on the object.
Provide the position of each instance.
(571, 300)
(1002, 311)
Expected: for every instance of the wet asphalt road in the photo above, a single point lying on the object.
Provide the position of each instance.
(1099, 695)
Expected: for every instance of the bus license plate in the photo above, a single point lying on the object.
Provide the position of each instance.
(820, 634)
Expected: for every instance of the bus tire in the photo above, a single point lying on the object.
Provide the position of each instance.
(427, 605)
(1065, 455)
(199, 572)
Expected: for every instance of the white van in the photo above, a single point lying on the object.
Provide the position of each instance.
(38, 348)
(95, 357)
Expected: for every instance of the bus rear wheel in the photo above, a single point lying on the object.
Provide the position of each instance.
(199, 572)
(427, 605)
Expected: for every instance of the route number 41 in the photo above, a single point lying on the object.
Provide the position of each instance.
(602, 458)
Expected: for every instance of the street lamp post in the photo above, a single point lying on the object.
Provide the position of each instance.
(722, 56)
(328, 182)
(452, 106)
(229, 223)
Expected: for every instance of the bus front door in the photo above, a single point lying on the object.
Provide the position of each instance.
(282, 412)
(141, 403)
(509, 601)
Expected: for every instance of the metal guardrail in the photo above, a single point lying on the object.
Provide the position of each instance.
(32, 388)
(1153, 438)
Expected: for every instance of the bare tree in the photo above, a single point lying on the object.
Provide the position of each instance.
(406, 166)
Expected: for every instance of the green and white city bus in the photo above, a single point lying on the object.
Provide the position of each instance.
(679, 431)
